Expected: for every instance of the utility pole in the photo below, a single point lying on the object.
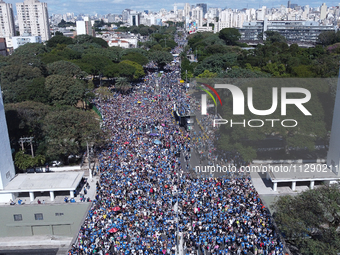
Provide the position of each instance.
(23, 140)
(215, 106)
(88, 159)
(177, 215)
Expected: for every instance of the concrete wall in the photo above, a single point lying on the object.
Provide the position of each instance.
(333, 156)
(66, 223)
(7, 171)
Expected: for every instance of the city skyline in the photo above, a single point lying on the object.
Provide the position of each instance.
(117, 6)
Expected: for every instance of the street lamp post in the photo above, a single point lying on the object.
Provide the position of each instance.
(88, 159)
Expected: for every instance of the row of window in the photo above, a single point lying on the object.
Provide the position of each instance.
(37, 216)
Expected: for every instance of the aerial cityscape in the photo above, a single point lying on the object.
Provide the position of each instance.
(169, 128)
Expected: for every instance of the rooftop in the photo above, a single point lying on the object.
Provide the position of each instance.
(44, 182)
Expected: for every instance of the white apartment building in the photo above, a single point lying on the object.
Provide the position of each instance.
(187, 10)
(18, 41)
(33, 19)
(7, 27)
(84, 27)
(197, 14)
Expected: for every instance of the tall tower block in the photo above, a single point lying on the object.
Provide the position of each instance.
(333, 156)
(7, 171)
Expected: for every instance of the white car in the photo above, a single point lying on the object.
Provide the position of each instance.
(56, 163)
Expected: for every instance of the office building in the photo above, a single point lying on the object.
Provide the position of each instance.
(134, 19)
(204, 7)
(296, 31)
(33, 19)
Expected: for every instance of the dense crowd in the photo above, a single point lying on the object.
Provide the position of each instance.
(144, 188)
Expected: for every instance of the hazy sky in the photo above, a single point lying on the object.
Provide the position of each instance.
(117, 6)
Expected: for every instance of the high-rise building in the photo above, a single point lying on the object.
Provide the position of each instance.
(7, 27)
(125, 15)
(204, 7)
(33, 19)
(288, 4)
(323, 11)
(197, 14)
(134, 18)
(84, 27)
(187, 10)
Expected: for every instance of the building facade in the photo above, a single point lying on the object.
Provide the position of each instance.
(204, 7)
(18, 41)
(7, 171)
(33, 19)
(293, 31)
(7, 27)
(84, 27)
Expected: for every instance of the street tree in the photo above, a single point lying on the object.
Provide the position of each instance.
(59, 39)
(139, 71)
(309, 220)
(24, 161)
(68, 129)
(25, 119)
(64, 90)
(230, 35)
(126, 70)
(66, 68)
(136, 57)
(273, 36)
(161, 58)
(122, 84)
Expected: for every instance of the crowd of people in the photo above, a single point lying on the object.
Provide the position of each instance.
(148, 202)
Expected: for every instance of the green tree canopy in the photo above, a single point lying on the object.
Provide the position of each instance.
(273, 36)
(161, 58)
(24, 161)
(309, 220)
(136, 57)
(139, 71)
(327, 38)
(31, 49)
(126, 70)
(64, 90)
(216, 63)
(65, 68)
(230, 35)
(68, 129)
(93, 64)
(25, 119)
(59, 39)
(80, 39)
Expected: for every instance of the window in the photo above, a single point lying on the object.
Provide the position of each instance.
(17, 217)
(38, 216)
